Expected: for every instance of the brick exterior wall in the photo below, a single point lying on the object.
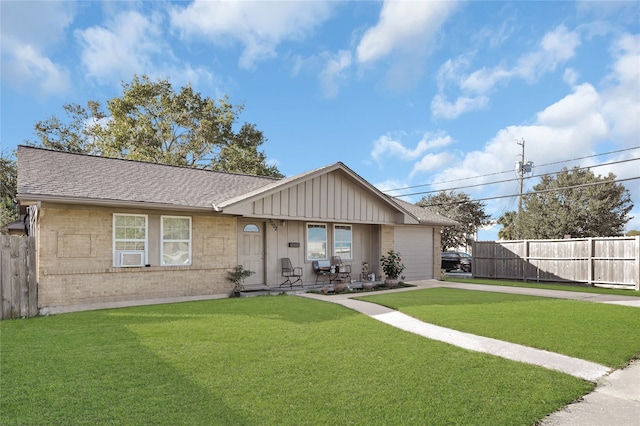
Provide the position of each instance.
(437, 258)
(387, 240)
(75, 258)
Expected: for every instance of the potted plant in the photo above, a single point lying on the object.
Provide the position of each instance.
(392, 266)
(237, 277)
(365, 277)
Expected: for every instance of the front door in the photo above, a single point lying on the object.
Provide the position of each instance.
(251, 250)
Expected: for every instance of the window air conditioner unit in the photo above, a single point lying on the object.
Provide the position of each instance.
(132, 258)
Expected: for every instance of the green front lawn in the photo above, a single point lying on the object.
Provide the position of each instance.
(606, 334)
(583, 288)
(257, 361)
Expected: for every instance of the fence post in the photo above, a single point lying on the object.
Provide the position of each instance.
(637, 255)
(5, 277)
(525, 255)
(590, 261)
(32, 275)
(14, 245)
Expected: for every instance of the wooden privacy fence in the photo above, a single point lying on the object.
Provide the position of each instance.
(18, 285)
(604, 262)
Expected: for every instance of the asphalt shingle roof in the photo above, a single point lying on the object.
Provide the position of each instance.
(44, 173)
(425, 215)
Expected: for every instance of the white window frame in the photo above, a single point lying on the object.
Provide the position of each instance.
(326, 243)
(163, 240)
(117, 253)
(337, 241)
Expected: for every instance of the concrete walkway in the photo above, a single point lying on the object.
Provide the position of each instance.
(616, 399)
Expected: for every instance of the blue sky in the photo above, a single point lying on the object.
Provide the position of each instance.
(407, 94)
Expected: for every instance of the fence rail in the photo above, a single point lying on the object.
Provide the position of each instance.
(604, 262)
(18, 285)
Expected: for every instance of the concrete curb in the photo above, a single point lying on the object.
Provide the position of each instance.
(615, 401)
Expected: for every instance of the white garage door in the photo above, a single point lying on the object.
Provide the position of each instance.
(415, 244)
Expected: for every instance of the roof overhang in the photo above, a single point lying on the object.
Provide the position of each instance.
(32, 199)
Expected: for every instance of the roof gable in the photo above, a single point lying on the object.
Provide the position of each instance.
(333, 192)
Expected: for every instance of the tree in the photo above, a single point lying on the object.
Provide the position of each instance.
(459, 207)
(575, 202)
(75, 136)
(242, 155)
(508, 222)
(8, 184)
(152, 122)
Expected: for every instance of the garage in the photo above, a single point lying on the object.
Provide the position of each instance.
(415, 245)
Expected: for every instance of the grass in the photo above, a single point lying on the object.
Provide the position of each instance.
(606, 334)
(547, 286)
(257, 361)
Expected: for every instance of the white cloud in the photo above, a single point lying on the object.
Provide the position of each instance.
(390, 185)
(404, 31)
(452, 71)
(334, 73)
(36, 73)
(45, 26)
(574, 107)
(386, 147)
(442, 108)
(555, 48)
(483, 80)
(131, 43)
(259, 26)
(572, 127)
(27, 63)
(570, 76)
(403, 26)
(432, 162)
(495, 37)
(128, 44)
(621, 97)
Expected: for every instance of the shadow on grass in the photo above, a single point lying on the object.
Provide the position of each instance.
(268, 360)
(93, 370)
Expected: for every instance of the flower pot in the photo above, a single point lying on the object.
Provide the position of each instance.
(339, 287)
(391, 283)
(367, 285)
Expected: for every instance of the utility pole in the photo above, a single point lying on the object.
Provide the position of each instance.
(522, 168)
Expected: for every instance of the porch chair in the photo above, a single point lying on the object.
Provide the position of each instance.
(322, 268)
(343, 272)
(289, 272)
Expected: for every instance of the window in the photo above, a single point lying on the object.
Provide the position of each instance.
(316, 241)
(129, 240)
(176, 240)
(251, 228)
(342, 241)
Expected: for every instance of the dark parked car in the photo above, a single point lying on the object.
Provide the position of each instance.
(456, 260)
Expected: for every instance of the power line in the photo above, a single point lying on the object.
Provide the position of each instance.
(510, 171)
(515, 179)
(532, 193)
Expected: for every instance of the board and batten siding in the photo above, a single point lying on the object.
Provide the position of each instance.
(415, 245)
(332, 197)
